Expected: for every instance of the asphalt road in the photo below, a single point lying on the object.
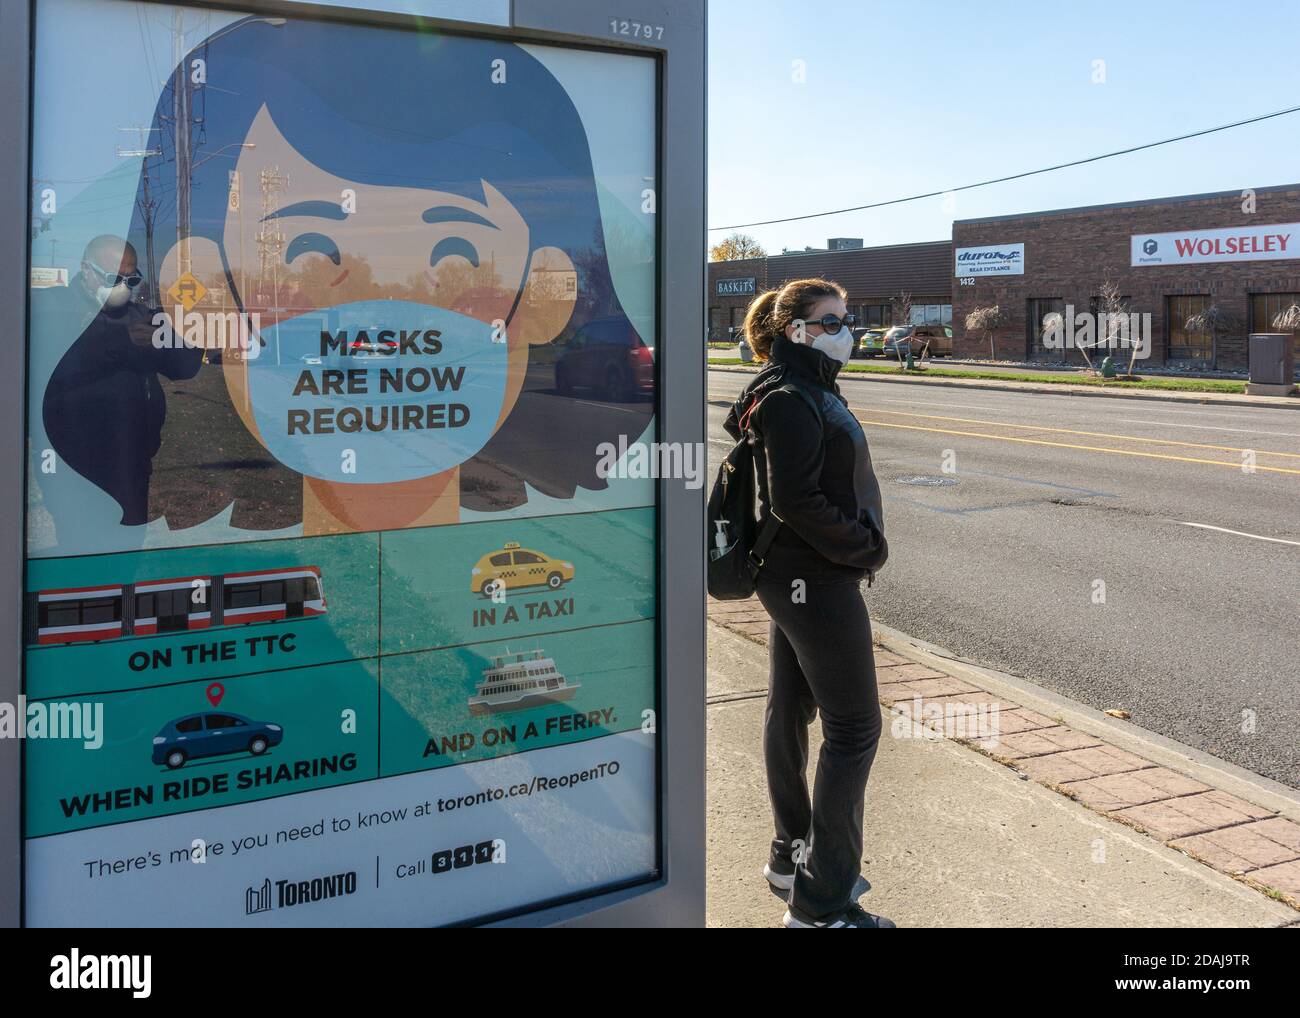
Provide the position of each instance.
(1084, 543)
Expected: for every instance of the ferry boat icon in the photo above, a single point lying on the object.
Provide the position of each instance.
(519, 680)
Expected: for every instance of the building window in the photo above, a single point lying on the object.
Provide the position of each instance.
(715, 325)
(876, 315)
(1185, 345)
(737, 324)
(1039, 309)
(931, 314)
(1264, 307)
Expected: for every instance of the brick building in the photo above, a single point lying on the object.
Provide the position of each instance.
(1170, 257)
(873, 276)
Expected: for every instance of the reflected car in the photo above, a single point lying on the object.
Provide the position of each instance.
(212, 734)
(607, 358)
(870, 342)
(937, 337)
(364, 348)
(513, 566)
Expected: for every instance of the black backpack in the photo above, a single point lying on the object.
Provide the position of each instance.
(736, 544)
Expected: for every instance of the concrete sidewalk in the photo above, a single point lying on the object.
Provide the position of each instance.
(958, 835)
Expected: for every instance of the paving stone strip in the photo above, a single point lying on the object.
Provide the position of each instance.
(1247, 842)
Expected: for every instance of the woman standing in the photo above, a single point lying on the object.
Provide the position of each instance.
(815, 475)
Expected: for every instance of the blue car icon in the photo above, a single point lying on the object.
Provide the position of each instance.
(212, 734)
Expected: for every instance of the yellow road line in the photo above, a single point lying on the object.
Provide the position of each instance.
(1070, 431)
(1070, 445)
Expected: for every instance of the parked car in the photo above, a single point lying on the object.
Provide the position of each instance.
(212, 734)
(607, 357)
(869, 342)
(937, 337)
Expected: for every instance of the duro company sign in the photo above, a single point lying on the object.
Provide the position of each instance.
(991, 260)
(1232, 244)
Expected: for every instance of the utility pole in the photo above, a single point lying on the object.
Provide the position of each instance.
(181, 120)
(147, 203)
(270, 236)
(235, 203)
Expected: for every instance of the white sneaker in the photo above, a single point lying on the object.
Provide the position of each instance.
(780, 882)
(855, 917)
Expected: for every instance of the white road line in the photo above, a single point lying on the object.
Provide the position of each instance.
(963, 406)
(1207, 427)
(1238, 533)
(608, 406)
(1211, 412)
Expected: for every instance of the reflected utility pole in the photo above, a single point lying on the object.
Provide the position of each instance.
(181, 121)
(147, 203)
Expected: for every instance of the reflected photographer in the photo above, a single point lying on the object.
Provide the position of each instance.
(104, 407)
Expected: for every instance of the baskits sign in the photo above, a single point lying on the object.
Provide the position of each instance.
(1232, 244)
(735, 287)
(991, 260)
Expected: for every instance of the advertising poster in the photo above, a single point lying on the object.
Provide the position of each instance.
(333, 615)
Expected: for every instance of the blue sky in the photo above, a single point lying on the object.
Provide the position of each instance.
(908, 97)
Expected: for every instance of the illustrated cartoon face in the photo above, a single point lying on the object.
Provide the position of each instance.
(372, 267)
(335, 241)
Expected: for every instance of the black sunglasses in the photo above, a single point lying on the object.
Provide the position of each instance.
(831, 324)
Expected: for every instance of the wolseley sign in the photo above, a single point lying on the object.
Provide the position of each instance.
(991, 260)
(1231, 244)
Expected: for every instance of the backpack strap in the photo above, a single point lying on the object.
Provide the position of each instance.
(767, 534)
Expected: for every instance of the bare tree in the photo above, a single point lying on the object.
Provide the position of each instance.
(736, 247)
(901, 309)
(1288, 319)
(1054, 323)
(1215, 321)
(1112, 318)
(988, 321)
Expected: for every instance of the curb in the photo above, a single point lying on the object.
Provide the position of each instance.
(1180, 797)
(1063, 389)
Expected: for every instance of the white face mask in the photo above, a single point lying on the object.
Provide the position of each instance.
(113, 296)
(838, 347)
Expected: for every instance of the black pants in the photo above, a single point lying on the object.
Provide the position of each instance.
(821, 661)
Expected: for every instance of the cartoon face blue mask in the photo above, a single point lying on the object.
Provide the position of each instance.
(377, 391)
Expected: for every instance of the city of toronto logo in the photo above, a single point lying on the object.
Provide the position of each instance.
(288, 893)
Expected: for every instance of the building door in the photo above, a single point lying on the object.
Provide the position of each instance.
(1189, 347)
(1039, 310)
(737, 323)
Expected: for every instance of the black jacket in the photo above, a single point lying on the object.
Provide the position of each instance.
(816, 476)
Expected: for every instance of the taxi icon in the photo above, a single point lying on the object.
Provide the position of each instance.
(513, 566)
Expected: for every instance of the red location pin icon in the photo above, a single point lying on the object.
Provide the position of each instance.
(214, 693)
